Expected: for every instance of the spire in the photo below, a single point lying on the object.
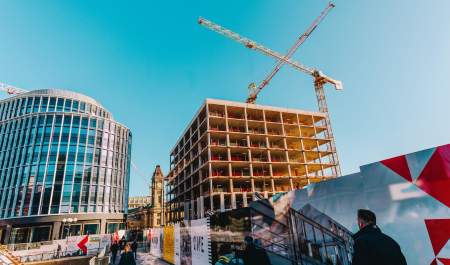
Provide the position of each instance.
(158, 172)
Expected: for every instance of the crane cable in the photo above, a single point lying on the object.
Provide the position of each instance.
(139, 172)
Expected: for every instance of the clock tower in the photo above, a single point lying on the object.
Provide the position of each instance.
(157, 198)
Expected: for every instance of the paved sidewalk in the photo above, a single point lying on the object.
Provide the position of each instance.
(147, 259)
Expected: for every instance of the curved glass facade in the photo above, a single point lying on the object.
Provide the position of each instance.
(61, 153)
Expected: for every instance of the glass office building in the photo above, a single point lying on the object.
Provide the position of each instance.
(64, 167)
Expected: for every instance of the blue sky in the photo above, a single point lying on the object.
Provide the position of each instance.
(152, 66)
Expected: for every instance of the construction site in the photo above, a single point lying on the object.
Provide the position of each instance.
(233, 153)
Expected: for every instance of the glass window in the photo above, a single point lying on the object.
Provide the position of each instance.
(44, 104)
(68, 105)
(58, 120)
(90, 229)
(75, 106)
(76, 121)
(93, 123)
(51, 105)
(19, 235)
(84, 122)
(82, 106)
(71, 230)
(112, 227)
(29, 104)
(60, 104)
(67, 120)
(36, 104)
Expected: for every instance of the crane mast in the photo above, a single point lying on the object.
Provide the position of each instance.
(320, 79)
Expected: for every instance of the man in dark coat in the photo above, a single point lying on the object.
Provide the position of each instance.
(372, 246)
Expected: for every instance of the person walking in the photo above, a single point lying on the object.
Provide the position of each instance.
(372, 247)
(114, 248)
(254, 255)
(127, 257)
(134, 247)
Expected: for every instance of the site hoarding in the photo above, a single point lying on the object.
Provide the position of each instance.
(200, 241)
(177, 243)
(94, 244)
(184, 243)
(156, 242)
(168, 244)
(408, 193)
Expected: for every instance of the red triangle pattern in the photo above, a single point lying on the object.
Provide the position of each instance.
(399, 165)
(445, 261)
(439, 233)
(434, 262)
(435, 176)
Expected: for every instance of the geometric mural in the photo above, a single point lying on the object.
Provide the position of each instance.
(439, 233)
(430, 171)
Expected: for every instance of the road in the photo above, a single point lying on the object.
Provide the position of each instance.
(145, 259)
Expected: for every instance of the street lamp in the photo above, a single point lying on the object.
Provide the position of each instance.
(69, 221)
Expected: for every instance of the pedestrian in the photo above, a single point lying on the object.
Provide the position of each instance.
(127, 257)
(254, 255)
(122, 243)
(58, 251)
(134, 247)
(372, 246)
(114, 248)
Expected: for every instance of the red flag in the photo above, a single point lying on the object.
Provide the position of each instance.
(116, 236)
(82, 244)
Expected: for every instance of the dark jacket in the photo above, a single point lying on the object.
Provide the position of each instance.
(122, 244)
(372, 247)
(255, 256)
(134, 246)
(127, 258)
(114, 248)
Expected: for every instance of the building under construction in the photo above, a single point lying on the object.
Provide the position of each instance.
(232, 152)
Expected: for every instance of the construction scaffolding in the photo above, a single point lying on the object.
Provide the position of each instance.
(233, 151)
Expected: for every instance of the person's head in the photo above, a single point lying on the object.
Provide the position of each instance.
(127, 248)
(123, 237)
(248, 240)
(366, 217)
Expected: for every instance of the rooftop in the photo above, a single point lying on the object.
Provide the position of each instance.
(60, 93)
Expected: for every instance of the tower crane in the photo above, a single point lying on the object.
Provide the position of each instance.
(320, 79)
(11, 90)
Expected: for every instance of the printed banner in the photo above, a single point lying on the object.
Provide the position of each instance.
(177, 243)
(200, 247)
(155, 246)
(185, 243)
(168, 244)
